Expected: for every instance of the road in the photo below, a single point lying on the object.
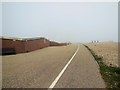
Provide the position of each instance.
(0, 72)
(40, 68)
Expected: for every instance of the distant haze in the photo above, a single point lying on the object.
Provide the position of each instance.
(61, 21)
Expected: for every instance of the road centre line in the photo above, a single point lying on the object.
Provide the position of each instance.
(63, 70)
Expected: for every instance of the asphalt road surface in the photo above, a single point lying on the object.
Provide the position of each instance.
(0, 72)
(70, 66)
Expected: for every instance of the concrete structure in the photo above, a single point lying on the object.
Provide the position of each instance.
(16, 45)
(35, 44)
(53, 43)
(23, 45)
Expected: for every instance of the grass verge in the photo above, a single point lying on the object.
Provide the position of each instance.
(110, 74)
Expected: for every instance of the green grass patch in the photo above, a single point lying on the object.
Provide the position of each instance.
(110, 74)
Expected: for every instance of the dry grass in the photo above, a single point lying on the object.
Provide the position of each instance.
(110, 74)
(108, 51)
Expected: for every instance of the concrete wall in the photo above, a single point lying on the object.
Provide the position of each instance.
(17, 45)
(32, 45)
(23, 46)
(0, 46)
(52, 43)
(0, 43)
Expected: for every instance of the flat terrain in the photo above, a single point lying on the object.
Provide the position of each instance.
(0, 72)
(108, 50)
(38, 69)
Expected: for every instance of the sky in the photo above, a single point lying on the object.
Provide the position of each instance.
(61, 21)
(0, 19)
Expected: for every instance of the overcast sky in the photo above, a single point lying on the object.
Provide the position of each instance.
(60, 21)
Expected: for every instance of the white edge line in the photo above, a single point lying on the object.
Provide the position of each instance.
(63, 70)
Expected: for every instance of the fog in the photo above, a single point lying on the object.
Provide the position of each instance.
(61, 21)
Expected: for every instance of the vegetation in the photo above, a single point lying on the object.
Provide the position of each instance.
(110, 74)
